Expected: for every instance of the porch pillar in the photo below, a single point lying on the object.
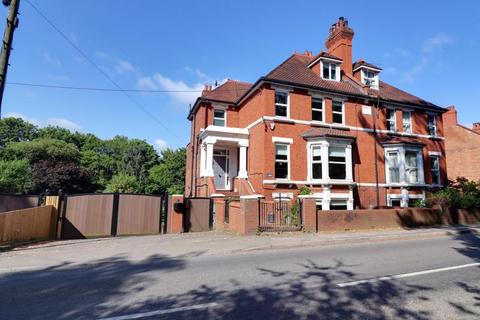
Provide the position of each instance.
(326, 197)
(209, 160)
(242, 168)
(350, 202)
(324, 157)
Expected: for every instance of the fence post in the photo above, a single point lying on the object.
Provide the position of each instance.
(116, 198)
(62, 216)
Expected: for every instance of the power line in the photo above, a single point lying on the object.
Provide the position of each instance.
(51, 86)
(87, 58)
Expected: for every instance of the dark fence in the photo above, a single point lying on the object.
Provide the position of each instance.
(102, 215)
(17, 202)
(278, 216)
(198, 215)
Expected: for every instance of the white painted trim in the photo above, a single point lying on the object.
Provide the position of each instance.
(309, 182)
(287, 105)
(289, 160)
(366, 67)
(337, 69)
(337, 126)
(217, 195)
(282, 140)
(435, 153)
(396, 185)
(252, 196)
(282, 195)
(229, 130)
(314, 62)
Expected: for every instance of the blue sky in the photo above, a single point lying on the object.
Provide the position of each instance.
(424, 47)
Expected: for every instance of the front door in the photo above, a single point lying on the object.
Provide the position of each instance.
(220, 169)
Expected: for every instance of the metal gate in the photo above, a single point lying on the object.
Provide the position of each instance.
(198, 215)
(279, 216)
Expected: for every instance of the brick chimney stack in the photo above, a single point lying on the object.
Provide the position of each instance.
(450, 117)
(476, 127)
(339, 43)
(206, 90)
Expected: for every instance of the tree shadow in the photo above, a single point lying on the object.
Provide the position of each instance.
(312, 293)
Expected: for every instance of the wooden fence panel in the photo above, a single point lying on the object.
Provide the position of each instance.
(199, 217)
(17, 202)
(138, 214)
(28, 224)
(87, 216)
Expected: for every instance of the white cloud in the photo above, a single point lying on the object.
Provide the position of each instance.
(60, 122)
(437, 42)
(160, 144)
(179, 91)
(124, 66)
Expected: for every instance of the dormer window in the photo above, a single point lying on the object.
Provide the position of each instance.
(330, 70)
(370, 78)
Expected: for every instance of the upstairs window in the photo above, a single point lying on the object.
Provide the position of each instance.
(330, 71)
(432, 127)
(370, 79)
(281, 160)
(393, 165)
(317, 109)
(316, 162)
(391, 122)
(219, 117)
(435, 163)
(407, 121)
(337, 111)
(337, 163)
(281, 104)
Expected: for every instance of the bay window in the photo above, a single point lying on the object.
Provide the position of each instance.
(281, 160)
(317, 109)
(329, 159)
(337, 111)
(404, 164)
(281, 104)
(316, 162)
(407, 121)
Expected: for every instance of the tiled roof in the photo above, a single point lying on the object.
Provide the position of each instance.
(389, 92)
(327, 132)
(359, 63)
(389, 139)
(294, 70)
(230, 91)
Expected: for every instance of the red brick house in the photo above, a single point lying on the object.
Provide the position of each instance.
(320, 121)
(462, 147)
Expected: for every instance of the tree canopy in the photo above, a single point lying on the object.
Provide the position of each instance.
(34, 159)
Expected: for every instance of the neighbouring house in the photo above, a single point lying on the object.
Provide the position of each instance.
(462, 145)
(320, 121)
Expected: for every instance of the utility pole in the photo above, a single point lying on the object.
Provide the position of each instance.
(12, 23)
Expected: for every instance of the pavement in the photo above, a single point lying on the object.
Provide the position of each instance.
(415, 274)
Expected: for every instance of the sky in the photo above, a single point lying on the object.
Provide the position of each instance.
(427, 48)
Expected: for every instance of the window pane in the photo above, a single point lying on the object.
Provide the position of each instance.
(337, 118)
(317, 103)
(337, 106)
(219, 114)
(316, 153)
(281, 97)
(333, 70)
(219, 122)
(281, 170)
(435, 163)
(411, 159)
(280, 111)
(281, 152)
(317, 115)
(396, 202)
(336, 152)
(337, 171)
(317, 170)
(338, 205)
(326, 70)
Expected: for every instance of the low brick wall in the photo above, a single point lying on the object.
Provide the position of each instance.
(243, 216)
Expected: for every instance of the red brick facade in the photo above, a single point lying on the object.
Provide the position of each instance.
(251, 109)
(462, 147)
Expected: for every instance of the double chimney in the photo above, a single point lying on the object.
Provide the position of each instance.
(339, 43)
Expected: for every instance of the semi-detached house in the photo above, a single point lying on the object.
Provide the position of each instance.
(320, 121)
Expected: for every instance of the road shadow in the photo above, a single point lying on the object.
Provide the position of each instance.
(77, 291)
(312, 293)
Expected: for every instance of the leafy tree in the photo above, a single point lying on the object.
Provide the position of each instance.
(42, 149)
(169, 175)
(16, 130)
(123, 183)
(14, 176)
(59, 133)
(60, 175)
(101, 166)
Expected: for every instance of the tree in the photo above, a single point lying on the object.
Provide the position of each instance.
(42, 149)
(16, 130)
(123, 183)
(60, 175)
(169, 175)
(59, 133)
(14, 176)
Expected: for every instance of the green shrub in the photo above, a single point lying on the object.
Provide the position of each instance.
(305, 191)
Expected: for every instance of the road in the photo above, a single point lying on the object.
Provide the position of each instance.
(435, 278)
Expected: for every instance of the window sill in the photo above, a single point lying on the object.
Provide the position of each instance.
(283, 119)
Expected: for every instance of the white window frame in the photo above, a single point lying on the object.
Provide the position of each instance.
(405, 122)
(282, 161)
(438, 170)
(373, 80)
(224, 116)
(331, 64)
(325, 144)
(404, 198)
(402, 149)
(433, 125)
(287, 105)
(392, 121)
(336, 112)
(387, 161)
(311, 162)
(322, 110)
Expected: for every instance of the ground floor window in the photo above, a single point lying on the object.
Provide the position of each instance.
(338, 205)
(395, 203)
(281, 160)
